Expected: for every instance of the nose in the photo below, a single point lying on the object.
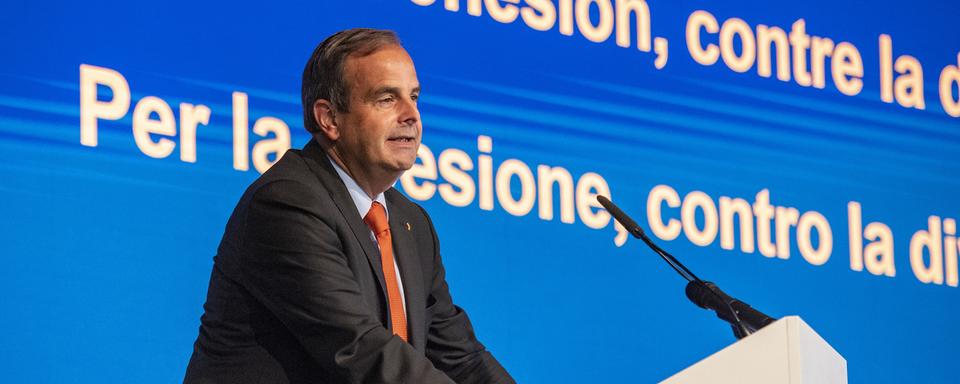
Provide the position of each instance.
(409, 114)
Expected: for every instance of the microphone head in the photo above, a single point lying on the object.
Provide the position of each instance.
(604, 201)
(620, 216)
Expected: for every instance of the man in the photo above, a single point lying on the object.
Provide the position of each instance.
(325, 273)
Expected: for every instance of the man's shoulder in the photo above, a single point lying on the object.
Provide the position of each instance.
(291, 177)
(291, 166)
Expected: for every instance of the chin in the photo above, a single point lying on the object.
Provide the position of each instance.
(404, 165)
(405, 161)
(398, 164)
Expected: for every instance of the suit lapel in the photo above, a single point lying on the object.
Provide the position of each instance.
(410, 270)
(319, 163)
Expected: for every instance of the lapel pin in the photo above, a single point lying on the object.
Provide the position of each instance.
(408, 225)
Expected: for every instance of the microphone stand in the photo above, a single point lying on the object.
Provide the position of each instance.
(697, 290)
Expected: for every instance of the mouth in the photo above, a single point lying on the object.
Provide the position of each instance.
(402, 139)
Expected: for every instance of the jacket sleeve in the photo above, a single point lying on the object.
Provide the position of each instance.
(451, 343)
(293, 263)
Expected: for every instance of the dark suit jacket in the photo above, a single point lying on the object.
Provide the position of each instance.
(297, 295)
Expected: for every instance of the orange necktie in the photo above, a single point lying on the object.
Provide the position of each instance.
(376, 219)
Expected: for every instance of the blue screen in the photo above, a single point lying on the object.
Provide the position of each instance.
(802, 155)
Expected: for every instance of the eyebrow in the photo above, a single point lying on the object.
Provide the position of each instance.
(391, 90)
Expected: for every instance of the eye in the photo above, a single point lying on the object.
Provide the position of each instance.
(415, 97)
(385, 100)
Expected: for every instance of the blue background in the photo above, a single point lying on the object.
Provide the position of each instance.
(106, 252)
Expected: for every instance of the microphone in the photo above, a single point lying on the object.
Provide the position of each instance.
(742, 317)
(621, 217)
(709, 296)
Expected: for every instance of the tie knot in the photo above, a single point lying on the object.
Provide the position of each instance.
(376, 218)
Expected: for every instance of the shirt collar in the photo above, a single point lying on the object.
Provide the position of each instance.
(360, 198)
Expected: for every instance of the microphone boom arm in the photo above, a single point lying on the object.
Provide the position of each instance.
(702, 293)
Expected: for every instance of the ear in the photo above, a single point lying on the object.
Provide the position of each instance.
(324, 114)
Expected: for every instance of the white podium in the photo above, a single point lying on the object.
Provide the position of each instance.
(787, 351)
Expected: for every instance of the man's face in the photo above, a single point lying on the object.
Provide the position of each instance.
(380, 133)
